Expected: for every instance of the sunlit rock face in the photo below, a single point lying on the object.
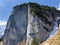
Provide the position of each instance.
(25, 23)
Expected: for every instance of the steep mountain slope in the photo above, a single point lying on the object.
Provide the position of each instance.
(55, 40)
(28, 22)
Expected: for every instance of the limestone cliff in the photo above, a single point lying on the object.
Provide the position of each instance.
(29, 21)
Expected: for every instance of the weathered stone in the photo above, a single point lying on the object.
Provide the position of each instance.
(18, 25)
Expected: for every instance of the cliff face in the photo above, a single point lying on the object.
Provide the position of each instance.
(17, 26)
(28, 22)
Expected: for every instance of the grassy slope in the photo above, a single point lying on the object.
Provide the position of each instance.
(55, 40)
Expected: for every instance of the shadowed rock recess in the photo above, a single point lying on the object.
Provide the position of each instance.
(29, 22)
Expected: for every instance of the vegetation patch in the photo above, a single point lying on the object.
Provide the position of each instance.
(34, 42)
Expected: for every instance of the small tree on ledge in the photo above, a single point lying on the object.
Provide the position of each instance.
(34, 42)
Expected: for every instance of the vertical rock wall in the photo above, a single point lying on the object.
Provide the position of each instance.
(22, 26)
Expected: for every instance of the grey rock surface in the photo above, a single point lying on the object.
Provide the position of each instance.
(16, 29)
